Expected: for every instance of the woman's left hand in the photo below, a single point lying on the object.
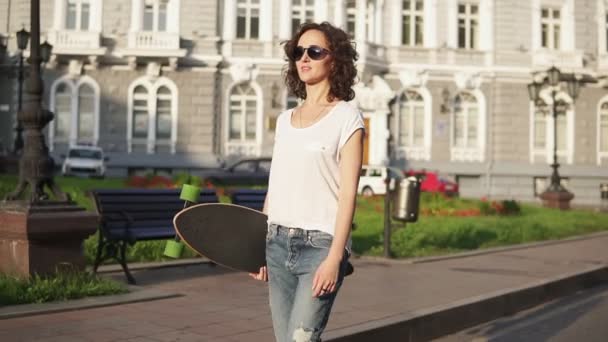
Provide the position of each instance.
(325, 278)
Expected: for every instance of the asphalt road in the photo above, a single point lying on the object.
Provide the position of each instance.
(582, 317)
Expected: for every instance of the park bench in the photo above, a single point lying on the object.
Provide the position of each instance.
(131, 215)
(250, 198)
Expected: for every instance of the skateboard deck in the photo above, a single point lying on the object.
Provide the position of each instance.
(229, 235)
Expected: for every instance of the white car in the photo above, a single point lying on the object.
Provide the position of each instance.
(84, 161)
(372, 179)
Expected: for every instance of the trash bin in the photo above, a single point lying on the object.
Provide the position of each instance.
(407, 200)
(604, 191)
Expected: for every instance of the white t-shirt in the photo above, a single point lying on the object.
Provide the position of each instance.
(304, 174)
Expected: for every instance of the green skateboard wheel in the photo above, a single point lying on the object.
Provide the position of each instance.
(173, 249)
(190, 193)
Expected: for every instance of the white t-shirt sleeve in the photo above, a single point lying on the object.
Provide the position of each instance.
(353, 123)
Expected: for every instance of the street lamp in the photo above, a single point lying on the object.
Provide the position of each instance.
(46, 50)
(22, 39)
(555, 196)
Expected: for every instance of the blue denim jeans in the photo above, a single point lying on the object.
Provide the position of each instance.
(293, 256)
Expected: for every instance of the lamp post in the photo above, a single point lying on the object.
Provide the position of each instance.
(39, 234)
(3, 47)
(555, 196)
(22, 39)
(46, 50)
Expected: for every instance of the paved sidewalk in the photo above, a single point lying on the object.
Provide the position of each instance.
(220, 305)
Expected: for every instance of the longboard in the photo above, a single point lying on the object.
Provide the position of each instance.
(230, 235)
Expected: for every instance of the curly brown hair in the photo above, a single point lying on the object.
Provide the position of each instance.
(343, 71)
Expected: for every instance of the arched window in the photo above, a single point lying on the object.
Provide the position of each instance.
(75, 103)
(466, 114)
(243, 113)
(163, 113)
(468, 126)
(152, 114)
(140, 112)
(540, 125)
(542, 134)
(86, 113)
(411, 117)
(63, 111)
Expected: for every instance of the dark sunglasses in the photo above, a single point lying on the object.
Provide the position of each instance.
(316, 53)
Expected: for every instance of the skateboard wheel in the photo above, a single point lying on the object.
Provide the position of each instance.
(190, 193)
(173, 249)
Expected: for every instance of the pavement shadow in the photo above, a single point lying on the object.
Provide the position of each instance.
(541, 324)
(157, 276)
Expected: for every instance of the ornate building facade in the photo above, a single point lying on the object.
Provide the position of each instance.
(175, 85)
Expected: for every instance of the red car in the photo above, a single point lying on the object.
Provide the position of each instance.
(431, 182)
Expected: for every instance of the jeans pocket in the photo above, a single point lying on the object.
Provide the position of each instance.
(320, 240)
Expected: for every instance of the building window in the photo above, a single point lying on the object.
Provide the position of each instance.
(412, 22)
(163, 113)
(351, 17)
(540, 125)
(248, 19)
(542, 130)
(77, 15)
(155, 15)
(75, 103)
(606, 30)
(243, 113)
(468, 26)
(86, 113)
(140, 112)
(466, 121)
(370, 20)
(411, 130)
(302, 11)
(603, 128)
(63, 112)
(152, 113)
(550, 23)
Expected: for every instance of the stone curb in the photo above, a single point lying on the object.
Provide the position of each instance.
(136, 294)
(483, 251)
(112, 268)
(434, 322)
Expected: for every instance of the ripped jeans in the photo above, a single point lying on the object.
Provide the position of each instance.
(293, 256)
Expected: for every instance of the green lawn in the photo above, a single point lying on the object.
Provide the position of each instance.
(433, 234)
(60, 286)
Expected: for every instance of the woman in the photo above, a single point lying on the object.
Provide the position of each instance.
(313, 183)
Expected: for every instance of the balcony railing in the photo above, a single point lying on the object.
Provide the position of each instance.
(76, 42)
(145, 40)
(245, 149)
(560, 59)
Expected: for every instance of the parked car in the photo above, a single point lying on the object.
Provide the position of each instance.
(372, 179)
(252, 171)
(433, 182)
(83, 160)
